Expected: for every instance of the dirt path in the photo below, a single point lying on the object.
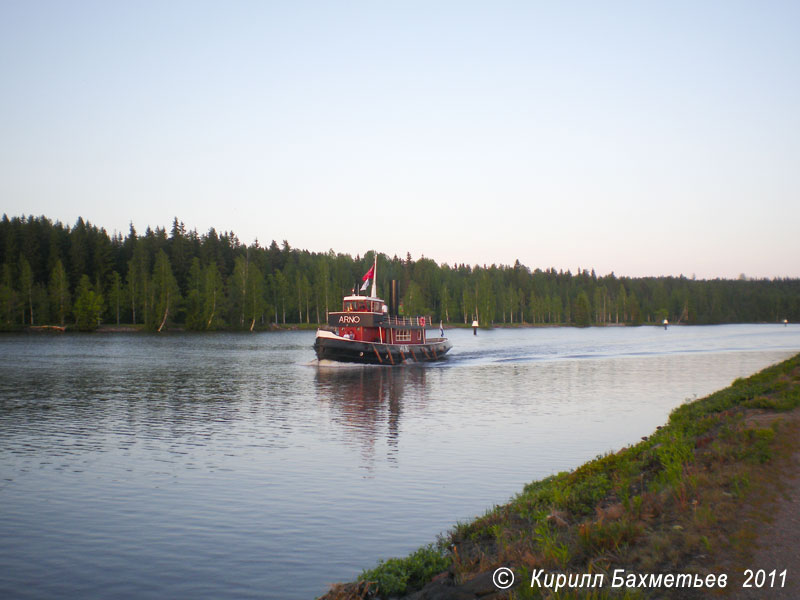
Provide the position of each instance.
(777, 543)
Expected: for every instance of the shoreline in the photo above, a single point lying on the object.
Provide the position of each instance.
(139, 328)
(690, 499)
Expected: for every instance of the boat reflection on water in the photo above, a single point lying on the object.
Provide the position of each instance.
(367, 402)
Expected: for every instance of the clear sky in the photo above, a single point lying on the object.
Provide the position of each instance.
(642, 138)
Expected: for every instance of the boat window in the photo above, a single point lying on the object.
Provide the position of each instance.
(403, 335)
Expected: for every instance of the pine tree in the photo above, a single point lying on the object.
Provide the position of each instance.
(26, 288)
(194, 297)
(9, 298)
(138, 282)
(622, 302)
(444, 301)
(88, 306)
(582, 312)
(282, 293)
(115, 296)
(634, 309)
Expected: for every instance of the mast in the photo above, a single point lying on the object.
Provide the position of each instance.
(373, 290)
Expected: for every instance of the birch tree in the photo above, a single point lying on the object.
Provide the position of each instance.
(59, 292)
(165, 292)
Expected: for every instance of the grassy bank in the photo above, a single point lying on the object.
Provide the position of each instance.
(687, 499)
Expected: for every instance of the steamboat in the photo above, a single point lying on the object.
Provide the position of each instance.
(369, 331)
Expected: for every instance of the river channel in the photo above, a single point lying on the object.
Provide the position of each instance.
(226, 466)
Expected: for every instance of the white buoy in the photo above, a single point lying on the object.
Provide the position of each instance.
(475, 327)
(666, 323)
(785, 322)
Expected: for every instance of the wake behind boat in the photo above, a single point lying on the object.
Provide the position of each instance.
(367, 331)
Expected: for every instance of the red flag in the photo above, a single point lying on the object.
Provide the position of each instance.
(370, 274)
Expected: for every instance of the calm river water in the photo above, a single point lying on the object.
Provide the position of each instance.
(230, 466)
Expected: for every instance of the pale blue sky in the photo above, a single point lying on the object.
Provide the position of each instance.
(643, 138)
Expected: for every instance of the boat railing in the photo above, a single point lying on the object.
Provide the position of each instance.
(407, 321)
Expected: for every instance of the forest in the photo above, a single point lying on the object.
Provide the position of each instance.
(79, 277)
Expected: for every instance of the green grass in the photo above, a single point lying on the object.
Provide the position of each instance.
(652, 507)
(403, 575)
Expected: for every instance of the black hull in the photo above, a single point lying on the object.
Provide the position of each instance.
(351, 351)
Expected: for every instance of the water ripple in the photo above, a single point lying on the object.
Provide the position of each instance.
(224, 466)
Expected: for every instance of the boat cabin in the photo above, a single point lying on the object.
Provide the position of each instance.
(363, 304)
(367, 319)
